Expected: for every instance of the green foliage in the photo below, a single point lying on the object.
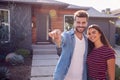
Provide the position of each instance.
(117, 72)
(68, 22)
(3, 33)
(118, 30)
(4, 73)
(117, 35)
(23, 52)
(68, 26)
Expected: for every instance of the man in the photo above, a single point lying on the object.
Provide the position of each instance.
(72, 62)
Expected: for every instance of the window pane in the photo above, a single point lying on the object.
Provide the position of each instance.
(68, 22)
(4, 27)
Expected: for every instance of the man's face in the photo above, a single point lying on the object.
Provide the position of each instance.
(80, 24)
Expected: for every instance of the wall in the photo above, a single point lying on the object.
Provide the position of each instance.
(20, 25)
(56, 15)
(21, 21)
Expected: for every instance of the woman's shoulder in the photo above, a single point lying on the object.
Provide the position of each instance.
(108, 49)
(109, 52)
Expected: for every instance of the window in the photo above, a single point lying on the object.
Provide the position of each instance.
(68, 22)
(4, 25)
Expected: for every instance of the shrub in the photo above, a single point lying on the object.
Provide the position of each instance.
(118, 30)
(23, 52)
(117, 72)
(4, 73)
(117, 36)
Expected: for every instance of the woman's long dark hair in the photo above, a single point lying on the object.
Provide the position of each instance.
(102, 38)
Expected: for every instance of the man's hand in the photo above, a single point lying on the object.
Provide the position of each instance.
(56, 36)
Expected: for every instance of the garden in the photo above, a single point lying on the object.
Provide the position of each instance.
(15, 62)
(16, 65)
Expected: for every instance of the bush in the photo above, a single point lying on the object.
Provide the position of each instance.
(117, 72)
(117, 36)
(117, 39)
(23, 52)
(6, 48)
(4, 73)
(118, 30)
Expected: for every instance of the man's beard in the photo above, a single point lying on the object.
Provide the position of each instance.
(80, 31)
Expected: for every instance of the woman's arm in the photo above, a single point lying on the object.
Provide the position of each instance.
(111, 69)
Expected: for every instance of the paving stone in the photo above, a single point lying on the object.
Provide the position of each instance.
(42, 78)
(42, 71)
(44, 46)
(44, 51)
(44, 62)
(50, 56)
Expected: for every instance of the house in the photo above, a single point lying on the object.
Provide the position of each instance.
(117, 23)
(29, 21)
(116, 13)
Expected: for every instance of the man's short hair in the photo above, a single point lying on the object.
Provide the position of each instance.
(81, 13)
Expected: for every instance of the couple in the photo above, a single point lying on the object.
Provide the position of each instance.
(82, 58)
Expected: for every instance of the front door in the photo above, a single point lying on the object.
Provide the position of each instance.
(42, 25)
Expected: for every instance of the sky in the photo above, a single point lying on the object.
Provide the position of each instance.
(97, 4)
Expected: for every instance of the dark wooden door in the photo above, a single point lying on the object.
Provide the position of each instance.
(42, 24)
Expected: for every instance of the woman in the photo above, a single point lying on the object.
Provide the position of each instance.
(101, 57)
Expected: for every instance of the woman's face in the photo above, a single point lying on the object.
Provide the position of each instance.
(93, 35)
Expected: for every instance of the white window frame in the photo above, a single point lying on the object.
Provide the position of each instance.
(8, 25)
(64, 19)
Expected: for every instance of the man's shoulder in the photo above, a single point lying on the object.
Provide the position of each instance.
(70, 32)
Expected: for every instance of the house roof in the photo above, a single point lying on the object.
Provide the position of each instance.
(92, 12)
(43, 2)
(116, 12)
(71, 6)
